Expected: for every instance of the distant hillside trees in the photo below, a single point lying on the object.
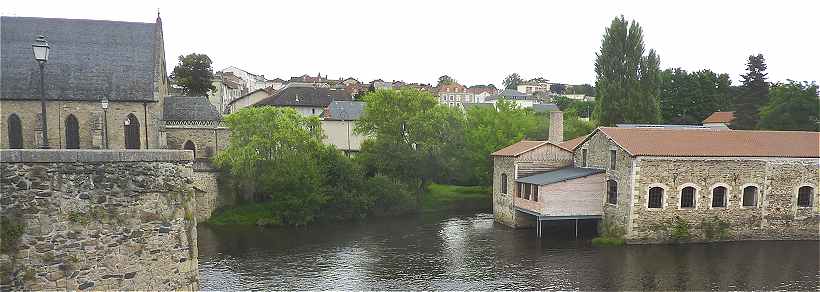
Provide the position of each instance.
(628, 78)
(754, 93)
(193, 74)
(512, 81)
(445, 80)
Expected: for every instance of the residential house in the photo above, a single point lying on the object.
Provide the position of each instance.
(454, 95)
(308, 100)
(339, 122)
(536, 85)
(523, 100)
(249, 99)
(481, 92)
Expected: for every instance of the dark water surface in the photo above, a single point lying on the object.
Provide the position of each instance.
(470, 252)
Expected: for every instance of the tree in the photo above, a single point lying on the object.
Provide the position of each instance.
(445, 80)
(558, 88)
(415, 140)
(512, 81)
(194, 74)
(277, 148)
(792, 106)
(754, 94)
(585, 89)
(688, 98)
(627, 80)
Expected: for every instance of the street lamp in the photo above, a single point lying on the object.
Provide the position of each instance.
(40, 49)
(104, 105)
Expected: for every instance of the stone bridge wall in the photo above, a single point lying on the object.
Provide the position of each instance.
(96, 219)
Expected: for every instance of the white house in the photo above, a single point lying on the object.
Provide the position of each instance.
(339, 121)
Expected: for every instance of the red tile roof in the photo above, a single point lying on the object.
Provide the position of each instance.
(715, 143)
(720, 117)
(570, 144)
(518, 148)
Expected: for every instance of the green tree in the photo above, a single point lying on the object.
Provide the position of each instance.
(754, 94)
(512, 81)
(492, 129)
(627, 80)
(277, 148)
(792, 106)
(445, 80)
(688, 98)
(558, 88)
(193, 74)
(415, 140)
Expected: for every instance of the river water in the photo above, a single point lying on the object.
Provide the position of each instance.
(470, 252)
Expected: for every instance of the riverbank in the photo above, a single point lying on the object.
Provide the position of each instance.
(438, 198)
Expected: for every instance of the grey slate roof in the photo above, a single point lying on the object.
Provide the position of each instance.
(344, 111)
(189, 108)
(510, 94)
(559, 175)
(545, 107)
(88, 59)
(307, 95)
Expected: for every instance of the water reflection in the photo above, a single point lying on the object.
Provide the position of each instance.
(470, 252)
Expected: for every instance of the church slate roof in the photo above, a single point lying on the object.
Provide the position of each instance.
(88, 59)
(189, 108)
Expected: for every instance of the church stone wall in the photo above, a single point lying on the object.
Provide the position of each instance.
(97, 220)
(207, 139)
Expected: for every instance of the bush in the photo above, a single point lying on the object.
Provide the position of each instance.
(391, 197)
(611, 234)
(248, 214)
(344, 186)
(608, 241)
(714, 228)
(679, 229)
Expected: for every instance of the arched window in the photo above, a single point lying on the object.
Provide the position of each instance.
(72, 132)
(15, 132)
(687, 197)
(804, 195)
(655, 197)
(131, 128)
(190, 146)
(719, 197)
(750, 196)
(503, 183)
(612, 192)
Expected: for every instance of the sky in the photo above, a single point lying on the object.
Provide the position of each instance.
(475, 42)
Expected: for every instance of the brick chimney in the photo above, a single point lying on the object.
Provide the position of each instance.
(556, 134)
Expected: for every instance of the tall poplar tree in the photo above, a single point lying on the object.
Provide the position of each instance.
(628, 81)
(754, 94)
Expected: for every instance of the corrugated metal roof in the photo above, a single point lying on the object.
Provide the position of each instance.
(559, 175)
(715, 143)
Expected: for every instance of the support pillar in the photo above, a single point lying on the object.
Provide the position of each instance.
(538, 227)
(576, 228)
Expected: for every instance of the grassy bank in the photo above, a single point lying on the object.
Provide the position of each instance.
(439, 198)
(449, 197)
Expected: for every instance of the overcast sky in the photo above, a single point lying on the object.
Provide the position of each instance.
(475, 42)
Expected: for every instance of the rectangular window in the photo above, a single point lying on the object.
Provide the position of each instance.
(518, 190)
(583, 158)
(612, 192)
(535, 193)
(655, 197)
(687, 197)
(527, 191)
(612, 156)
(804, 195)
(750, 196)
(719, 197)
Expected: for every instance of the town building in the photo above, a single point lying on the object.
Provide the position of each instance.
(762, 184)
(481, 92)
(533, 86)
(339, 123)
(192, 123)
(232, 82)
(307, 99)
(249, 99)
(521, 99)
(719, 119)
(454, 95)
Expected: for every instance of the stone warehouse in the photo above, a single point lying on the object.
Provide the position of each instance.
(720, 184)
(97, 220)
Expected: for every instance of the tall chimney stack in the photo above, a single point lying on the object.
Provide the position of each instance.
(556, 134)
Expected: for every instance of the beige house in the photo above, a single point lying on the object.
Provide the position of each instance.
(339, 122)
(249, 99)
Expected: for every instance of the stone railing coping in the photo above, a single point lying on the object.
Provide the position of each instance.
(87, 155)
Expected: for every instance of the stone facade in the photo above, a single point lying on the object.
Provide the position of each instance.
(98, 220)
(503, 206)
(776, 215)
(207, 140)
(90, 117)
(598, 149)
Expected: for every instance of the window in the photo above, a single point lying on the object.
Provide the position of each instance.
(583, 158)
(750, 196)
(719, 197)
(518, 188)
(131, 130)
(687, 197)
(190, 146)
(72, 132)
(612, 156)
(15, 132)
(535, 193)
(503, 183)
(612, 192)
(527, 191)
(655, 197)
(804, 195)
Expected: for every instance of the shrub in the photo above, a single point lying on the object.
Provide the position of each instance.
(679, 229)
(391, 197)
(714, 228)
(608, 241)
(611, 234)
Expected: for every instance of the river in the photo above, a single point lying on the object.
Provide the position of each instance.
(471, 252)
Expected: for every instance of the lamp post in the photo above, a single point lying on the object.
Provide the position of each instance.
(40, 49)
(104, 105)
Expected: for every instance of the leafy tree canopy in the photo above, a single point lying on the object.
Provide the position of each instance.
(754, 94)
(512, 81)
(193, 74)
(688, 98)
(792, 106)
(445, 80)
